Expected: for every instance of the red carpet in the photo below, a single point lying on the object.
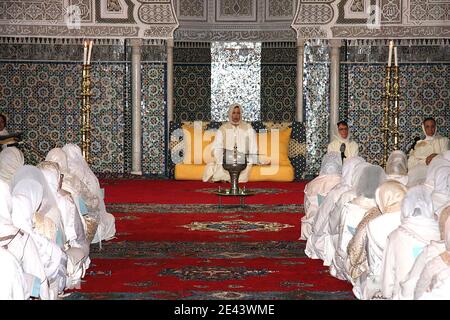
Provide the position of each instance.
(172, 192)
(174, 242)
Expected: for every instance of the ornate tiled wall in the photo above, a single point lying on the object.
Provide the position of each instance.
(316, 85)
(278, 83)
(278, 92)
(424, 90)
(41, 99)
(153, 117)
(192, 84)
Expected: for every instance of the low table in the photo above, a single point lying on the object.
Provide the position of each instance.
(242, 193)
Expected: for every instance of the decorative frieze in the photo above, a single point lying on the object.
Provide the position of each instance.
(76, 18)
(352, 19)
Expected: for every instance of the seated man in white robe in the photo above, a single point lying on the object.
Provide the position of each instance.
(366, 182)
(317, 189)
(418, 227)
(317, 244)
(343, 143)
(234, 133)
(397, 167)
(434, 280)
(365, 250)
(424, 151)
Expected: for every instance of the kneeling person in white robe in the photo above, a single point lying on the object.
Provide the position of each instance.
(317, 189)
(418, 227)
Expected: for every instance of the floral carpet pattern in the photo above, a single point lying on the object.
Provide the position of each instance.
(198, 251)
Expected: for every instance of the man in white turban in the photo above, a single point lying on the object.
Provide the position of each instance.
(424, 151)
(342, 142)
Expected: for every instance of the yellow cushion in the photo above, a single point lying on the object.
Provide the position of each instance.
(189, 171)
(265, 145)
(257, 173)
(197, 145)
(281, 173)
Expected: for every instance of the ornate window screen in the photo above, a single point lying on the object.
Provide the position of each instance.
(235, 78)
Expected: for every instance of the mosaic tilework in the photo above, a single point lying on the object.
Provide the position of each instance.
(192, 92)
(343, 92)
(108, 110)
(153, 118)
(316, 104)
(235, 78)
(424, 88)
(41, 100)
(297, 144)
(278, 92)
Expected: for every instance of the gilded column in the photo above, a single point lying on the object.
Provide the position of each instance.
(136, 156)
(299, 82)
(335, 46)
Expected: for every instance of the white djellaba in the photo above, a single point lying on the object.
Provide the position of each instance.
(318, 244)
(418, 227)
(23, 248)
(366, 181)
(80, 168)
(317, 189)
(366, 248)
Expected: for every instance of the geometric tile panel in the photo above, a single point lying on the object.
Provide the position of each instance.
(423, 90)
(192, 92)
(42, 101)
(316, 97)
(153, 115)
(316, 87)
(278, 91)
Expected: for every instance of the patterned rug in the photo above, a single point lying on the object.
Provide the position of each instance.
(198, 251)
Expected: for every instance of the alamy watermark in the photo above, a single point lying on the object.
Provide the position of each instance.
(72, 17)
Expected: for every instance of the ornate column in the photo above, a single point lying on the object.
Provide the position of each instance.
(136, 142)
(299, 82)
(169, 80)
(335, 46)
